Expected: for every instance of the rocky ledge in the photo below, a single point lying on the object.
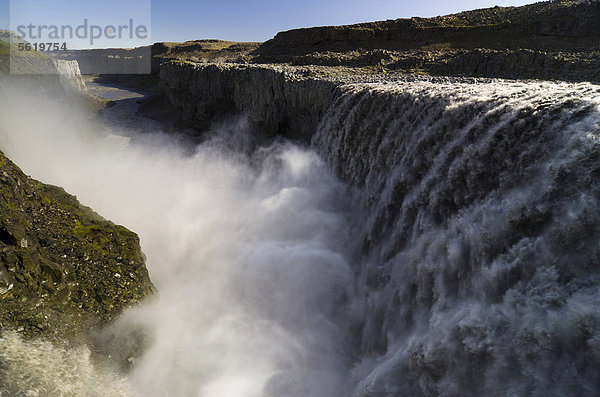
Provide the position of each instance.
(560, 25)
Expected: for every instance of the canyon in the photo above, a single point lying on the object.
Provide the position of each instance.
(389, 208)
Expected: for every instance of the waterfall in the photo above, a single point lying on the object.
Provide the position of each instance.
(70, 76)
(477, 235)
(441, 237)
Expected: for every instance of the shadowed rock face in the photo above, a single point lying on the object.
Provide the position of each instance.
(63, 268)
(279, 99)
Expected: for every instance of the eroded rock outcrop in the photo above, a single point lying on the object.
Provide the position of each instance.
(63, 268)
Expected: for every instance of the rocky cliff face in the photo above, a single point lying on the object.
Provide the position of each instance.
(28, 68)
(60, 79)
(109, 61)
(63, 268)
(279, 99)
(479, 62)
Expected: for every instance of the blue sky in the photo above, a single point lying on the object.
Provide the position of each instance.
(180, 20)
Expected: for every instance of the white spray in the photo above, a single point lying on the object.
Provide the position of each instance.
(246, 247)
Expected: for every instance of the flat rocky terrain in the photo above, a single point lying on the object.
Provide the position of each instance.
(550, 40)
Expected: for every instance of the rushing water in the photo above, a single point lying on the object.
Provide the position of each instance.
(462, 258)
(480, 230)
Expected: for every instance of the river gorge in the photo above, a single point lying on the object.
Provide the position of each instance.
(399, 208)
(425, 230)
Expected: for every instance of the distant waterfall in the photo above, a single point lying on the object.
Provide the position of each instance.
(477, 235)
(69, 74)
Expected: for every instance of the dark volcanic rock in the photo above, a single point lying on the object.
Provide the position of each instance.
(281, 100)
(63, 268)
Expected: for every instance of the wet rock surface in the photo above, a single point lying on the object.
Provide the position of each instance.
(63, 268)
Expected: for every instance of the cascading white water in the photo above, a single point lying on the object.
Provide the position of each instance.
(465, 261)
(479, 265)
